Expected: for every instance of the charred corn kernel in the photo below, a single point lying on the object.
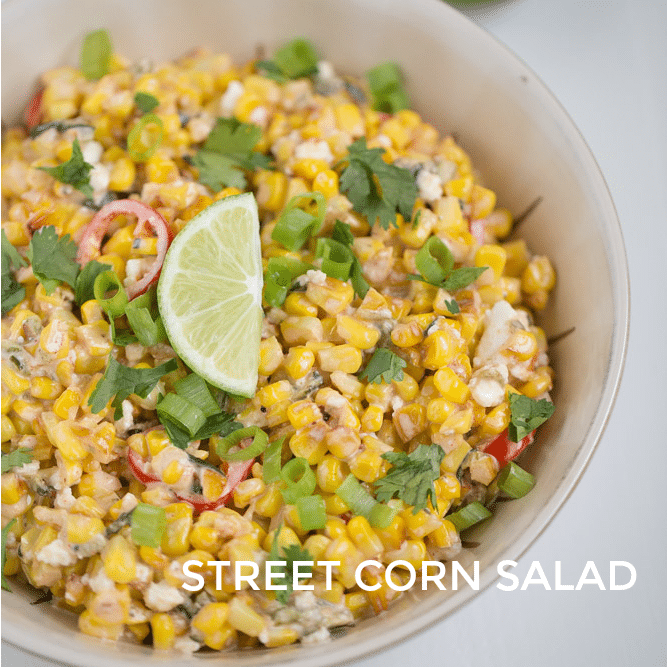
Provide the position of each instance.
(298, 362)
(302, 413)
(8, 430)
(310, 443)
(81, 528)
(343, 441)
(297, 303)
(274, 393)
(308, 168)
(119, 560)
(245, 619)
(407, 388)
(539, 384)
(345, 358)
(364, 537)
(45, 388)
(450, 385)
(493, 256)
(271, 191)
(326, 182)
(172, 473)
(445, 535)
(298, 330)
(247, 490)
(420, 524)
(331, 473)
(356, 332)
(16, 383)
(439, 409)
(157, 440)
(523, 345)
(164, 633)
(482, 201)
(269, 502)
(409, 421)
(367, 465)
(270, 355)
(333, 296)
(538, 275)
(90, 625)
(518, 257)
(439, 348)
(371, 421)
(452, 461)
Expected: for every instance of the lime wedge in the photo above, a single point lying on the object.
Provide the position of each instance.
(210, 294)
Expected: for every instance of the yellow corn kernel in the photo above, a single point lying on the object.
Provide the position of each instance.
(452, 461)
(356, 332)
(175, 539)
(62, 436)
(409, 421)
(407, 334)
(493, 256)
(420, 524)
(164, 633)
(499, 222)
(326, 182)
(298, 362)
(415, 235)
(348, 119)
(298, 330)
(407, 388)
(245, 105)
(345, 358)
(91, 312)
(45, 388)
(367, 465)
(440, 348)
(211, 621)
(308, 168)
(482, 201)
(393, 535)
(371, 421)
(154, 558)
(12, 488)
(496, 421)
(310, 443)
(343, 441)
(523, 345)
(122, 175)
(333, 296)
(447, 487)
(160, 169)
(483, 467)
(331, 473)
(364, 537)
(119, 560)
(116, 262)
(439, 409)
(302, 413)
(157, 440)
(450, 385)
(445, 535)
(343, 549)
(297, 303)
(334, 505)
(538, 275)
(90, 625)
(412, 551)
(274, 393)
(172, 473)
(8, 430)
(269, 502)
(81, 528)
(16, 383)
(539, 384)
(270, 355)
(271, 191)
(247, 490)
(518, 257)
(379, 393)
(348, 385)
(245, 619)
(460, 187)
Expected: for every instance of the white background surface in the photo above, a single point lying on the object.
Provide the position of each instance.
(606, 61)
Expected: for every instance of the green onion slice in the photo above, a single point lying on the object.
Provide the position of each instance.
(469, 515)
(259, 443)
(515, 481)
(95, 57)
(280, 273)
(186, 414)
(355, 496)
(296, 59)
(312, 512)
(337, 259)
(193, 388)
(342, 232)
(382, 515)
(272, 461)
(113, 304)
(434, 261)
(386, 84)
(148, 523)
(295, 226)
(300, 479)
(145, 137)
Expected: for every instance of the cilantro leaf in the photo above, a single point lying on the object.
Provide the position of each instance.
(3, 556)
(411, 476)
(232, 137)
(75, 172)
(12, 291)
(294, 60)
(221, 424)
(527, 414)
(218, 171)
(16, 458)
(452, 306)
(290, 553)
(83, 287)
(342, 232)
(53, 259)
(376, 189)
(384, 366)
(145, 102)
(462, 277)
(119, 381)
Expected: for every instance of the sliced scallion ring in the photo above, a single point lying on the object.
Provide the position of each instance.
(300, 479)
(355, 496)
(272, 461)
(145, 137)
(468, 516)
(337, 259)
(514, 481)
(193, 388)
(312, 512)
(434, 261)
(148, 524)
(181, 411)
(110, 293)
(259, 443)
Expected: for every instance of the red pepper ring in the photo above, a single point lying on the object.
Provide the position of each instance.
(505, 450)
(32, 115)
(147, 217)
(236, 473)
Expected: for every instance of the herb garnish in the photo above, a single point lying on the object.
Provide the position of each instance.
(12, 291)
(74, 172)
(16, 458)
(527, 414)
(53, 258)
(83, 288)
(290, 554)
(145, 102)
(343, 234)
(293, 61)
(384, 366)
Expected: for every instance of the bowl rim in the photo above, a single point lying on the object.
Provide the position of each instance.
(616, 255)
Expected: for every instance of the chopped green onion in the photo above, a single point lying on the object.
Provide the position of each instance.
(295, 226)
(272, 461)
(469, 515)
(359, 283)
(193, 388)
(382, 515)
(300, 479)
(149, 331)
(106, 282)
(355, 496)
(96, 53)
(337, 259)
(312, 512)
(342, 232)
(434, 261)
(143, 140)
(148, 524)
(181, 411)
(259, 443)
(145, 102)
(515, 481)
(386, 84)
(280, 273)
(296, 59)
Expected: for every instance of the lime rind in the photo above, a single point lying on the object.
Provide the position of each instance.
(210, 294)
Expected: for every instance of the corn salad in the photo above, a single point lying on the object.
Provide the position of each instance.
(465, 352)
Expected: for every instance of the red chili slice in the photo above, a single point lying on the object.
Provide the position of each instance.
(505, 450)
(236, 473)
(147, 217)
(32, 115)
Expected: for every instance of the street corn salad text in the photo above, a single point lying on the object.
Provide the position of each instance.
(372, 409)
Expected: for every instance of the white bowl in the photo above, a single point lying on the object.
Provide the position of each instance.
(463, 81)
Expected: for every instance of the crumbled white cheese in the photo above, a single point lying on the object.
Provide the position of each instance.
(447, 170)
(100, 582)
(143, 573)
(383, 140)
(64, 499)
(321, 635)
(200, 126)
(92, 152)
(128, 503)
(487, 385)
(162, 596)
(28, 469)
(259, 115)
(230, 98)
(56, 553)
(100, 175)
(397, 402)
(186, 645)
(501, 321)
(126, 422)
(430, 185)
(315, 150)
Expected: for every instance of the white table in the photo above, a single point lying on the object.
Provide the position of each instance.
(606, 62)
